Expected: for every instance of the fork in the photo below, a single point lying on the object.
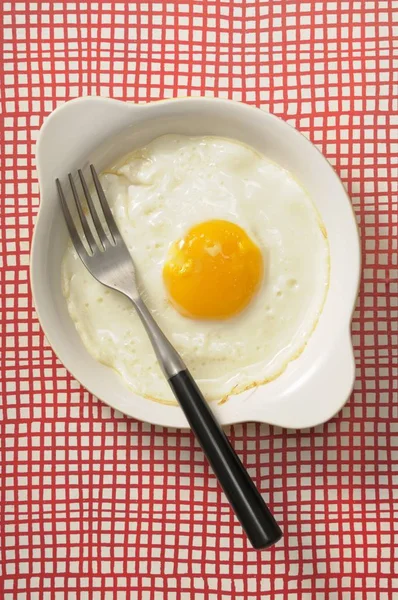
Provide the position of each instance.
(110, 262)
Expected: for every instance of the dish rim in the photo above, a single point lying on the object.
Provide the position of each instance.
(234, 417)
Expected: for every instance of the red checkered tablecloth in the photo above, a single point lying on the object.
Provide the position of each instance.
(97, 505)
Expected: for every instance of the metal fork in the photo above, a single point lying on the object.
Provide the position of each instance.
(110, 262)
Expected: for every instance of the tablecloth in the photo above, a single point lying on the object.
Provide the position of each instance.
(97, 505)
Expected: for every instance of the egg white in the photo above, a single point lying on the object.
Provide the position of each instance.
(157, 193)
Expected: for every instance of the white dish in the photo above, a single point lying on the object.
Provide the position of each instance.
(315, 385)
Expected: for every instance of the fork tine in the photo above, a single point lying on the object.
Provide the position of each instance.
(80, 249)
(93, 211)
(113, 228)
(86, 228)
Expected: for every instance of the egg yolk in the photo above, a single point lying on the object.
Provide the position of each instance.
(214, 271)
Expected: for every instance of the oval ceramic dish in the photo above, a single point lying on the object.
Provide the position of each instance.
(98, 130)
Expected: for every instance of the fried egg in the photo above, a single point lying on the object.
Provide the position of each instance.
(232, 260)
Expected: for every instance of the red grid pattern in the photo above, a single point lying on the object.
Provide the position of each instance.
(96, 505)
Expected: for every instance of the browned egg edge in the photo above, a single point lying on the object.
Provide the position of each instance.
(236, 390)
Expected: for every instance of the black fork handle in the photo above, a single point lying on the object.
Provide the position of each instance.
(250, 508)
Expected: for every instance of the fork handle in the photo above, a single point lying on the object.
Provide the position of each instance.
(250, 508)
